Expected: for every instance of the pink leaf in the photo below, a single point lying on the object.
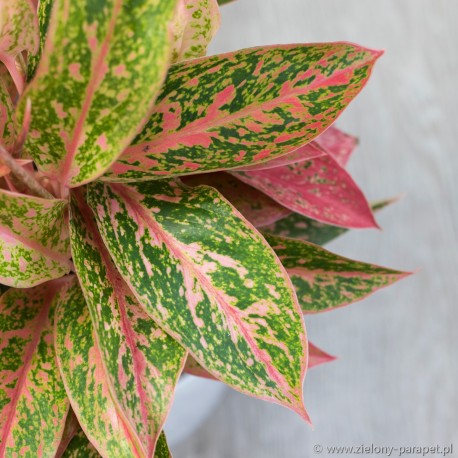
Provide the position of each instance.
(338, 144)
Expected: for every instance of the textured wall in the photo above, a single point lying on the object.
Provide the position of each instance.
(395, 383)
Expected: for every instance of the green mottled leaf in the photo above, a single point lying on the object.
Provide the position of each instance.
(195, 24)
(97, 80)
(324, 280)
(7, 128)
(210, 281)
(142, 362)
(162, 449)
(34, 245)
(18, 33)
(33, 402)
(244, 107)
(223, 2)
(44, 15)
(80, 447)
(82, 370)
(258, 208)
(300, 227)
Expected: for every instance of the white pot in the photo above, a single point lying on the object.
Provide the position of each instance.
(195, 399)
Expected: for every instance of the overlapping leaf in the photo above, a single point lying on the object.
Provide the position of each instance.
(85, 381)
(300, 227)
(7, 127)
(320, 189)
(33, 402)
(254, 205)
(18, 32)
(246, 107)
(97, 80)
(142, 362)
(338, 144)
(195, 24)
(34, 245)
(210, 281)
(80, 447)
(324, 280)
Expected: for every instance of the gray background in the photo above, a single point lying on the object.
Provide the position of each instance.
(395, 383)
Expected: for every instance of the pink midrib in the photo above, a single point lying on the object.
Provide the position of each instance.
(129, 334)
(78, 130)
(175, 250)
(40, 324)
(199, 126)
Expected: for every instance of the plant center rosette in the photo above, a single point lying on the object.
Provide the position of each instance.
(161, 211)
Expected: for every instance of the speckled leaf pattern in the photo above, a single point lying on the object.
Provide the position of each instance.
(18, 32)
(300, 227)
(338, 144)
(80, 447)
(82, 370)
(33, 402)
(318, 356)
(97, 80)
(244, 107)
(34, 245)
(142, 362)
(198, 22)
(44, 15)
(209, 280)
(324, 280)
(71, 428)
(7, 127)
(254, 205)
(320, 189)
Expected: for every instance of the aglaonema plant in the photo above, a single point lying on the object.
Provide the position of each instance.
(161, 212)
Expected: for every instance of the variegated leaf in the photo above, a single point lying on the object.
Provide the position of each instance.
(33, 402)
(44, 15)
(197, 22)
(318, 356)
(324, 280)
(18, 32)
(255, 206)
(82, 370)
(70, 430)
(246, 107)
(34, 245)
(80, 447)
(208, 278)
(300, 227)
(337, 144)
(97, 80)
(142, 362)
(223, 2)
(320, 189)
(7, 127)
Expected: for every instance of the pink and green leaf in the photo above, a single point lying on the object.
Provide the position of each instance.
(94, 87)
(33, 402)
(337, 144)
(318, 356)
(34, 243)
(18, 33)
(324, 280)
(197, 23)
(7, 127)
(80, 447)
(82, 370)
(319, 188)
(141, 361)
(243, 108)
(298, 226)
(210, 281)
(258, 208)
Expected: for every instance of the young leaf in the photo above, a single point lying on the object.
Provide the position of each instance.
(337, 144)
(82, 370)
(198, 21)
(141, 361)
(33, 402)
(18, 32)
(320, 189)
(300, 227)
(7, 128)
(243, 108)
(210, 281)
(324, 280)
(97, 80)
(254, 205)
(318, 356)
(34, 243)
